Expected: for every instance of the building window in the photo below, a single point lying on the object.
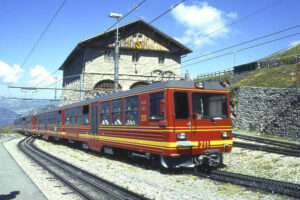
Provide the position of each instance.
(155, 99)
(116, 112)
(138, 84)
(161, 58)
(104, 113)
(109, 55)
(106, 85)
(135, 56)
(132, 111)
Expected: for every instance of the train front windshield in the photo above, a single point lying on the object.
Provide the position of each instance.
(208, 106)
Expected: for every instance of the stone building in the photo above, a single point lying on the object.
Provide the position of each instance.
(146, 55)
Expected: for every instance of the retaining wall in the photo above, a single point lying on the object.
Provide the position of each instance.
(269, 110)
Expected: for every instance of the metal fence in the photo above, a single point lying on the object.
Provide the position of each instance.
(259, 64)
(213, 74)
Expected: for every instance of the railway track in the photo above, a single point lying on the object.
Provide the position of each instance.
(85, 184)
(271, 149)
(279, 147)
(284, 144)
(267, 185)
(91, 187)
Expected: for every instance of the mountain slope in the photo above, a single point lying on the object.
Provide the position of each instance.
(7, 116)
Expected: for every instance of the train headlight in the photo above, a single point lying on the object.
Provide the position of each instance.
(225, 134)
(181, 136)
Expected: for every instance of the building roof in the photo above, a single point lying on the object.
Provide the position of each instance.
(153, 86)
(181, 49)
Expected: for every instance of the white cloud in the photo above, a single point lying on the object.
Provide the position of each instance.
(10, 74)
(201, 20)
(41, 76)
(232, 15)
(294, 43)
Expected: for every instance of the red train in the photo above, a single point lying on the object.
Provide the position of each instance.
(175, 123)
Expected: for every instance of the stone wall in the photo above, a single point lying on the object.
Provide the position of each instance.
(129, 72)
(275, 111)
(236, 77)
(97, 68)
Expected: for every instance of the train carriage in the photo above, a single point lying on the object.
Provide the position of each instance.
(177, 123)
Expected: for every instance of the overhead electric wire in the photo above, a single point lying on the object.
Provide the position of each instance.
(104, 32)
(128, 13)
(118, 22)
(222, 55)
(263, 59)
(239, 20)
(166, 12)
(242, 43)
(234, 22)
(40, 82)
(232, 46)
(47, 29)
(239, 50)
(43, 33)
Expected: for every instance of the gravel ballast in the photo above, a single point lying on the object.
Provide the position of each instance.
(263, 164)
(152, 183)
(47, 183)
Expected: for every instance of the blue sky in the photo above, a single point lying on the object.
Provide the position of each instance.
(23, 21)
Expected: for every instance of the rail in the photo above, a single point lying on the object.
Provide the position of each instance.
(268, 185)
(275, 142)
(270, 149)
(84, 183)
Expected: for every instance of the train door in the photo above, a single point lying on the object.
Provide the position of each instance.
(182, 119)
(94, 125)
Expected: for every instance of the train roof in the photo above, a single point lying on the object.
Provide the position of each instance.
(153, 86)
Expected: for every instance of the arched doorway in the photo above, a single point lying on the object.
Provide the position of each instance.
(106, 85)
(138, 84)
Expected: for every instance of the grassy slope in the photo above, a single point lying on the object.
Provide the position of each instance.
(273, 77)
(293, 51)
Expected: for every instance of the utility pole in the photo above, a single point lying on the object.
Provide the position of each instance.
(118, 16)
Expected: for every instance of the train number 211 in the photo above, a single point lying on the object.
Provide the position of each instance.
(204, 144)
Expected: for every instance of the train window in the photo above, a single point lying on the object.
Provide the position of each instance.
(155, 105)
(181, 105)
(52, 118)
(49, 118)
(59, 118)
(78, 116)
(67, 117)
(116, 113)
(85, 115)
(45, 121)
(132, 111)
(210, 106)
(104, 113)
(72, 116)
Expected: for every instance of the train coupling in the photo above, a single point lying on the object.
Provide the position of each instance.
(211, 158)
